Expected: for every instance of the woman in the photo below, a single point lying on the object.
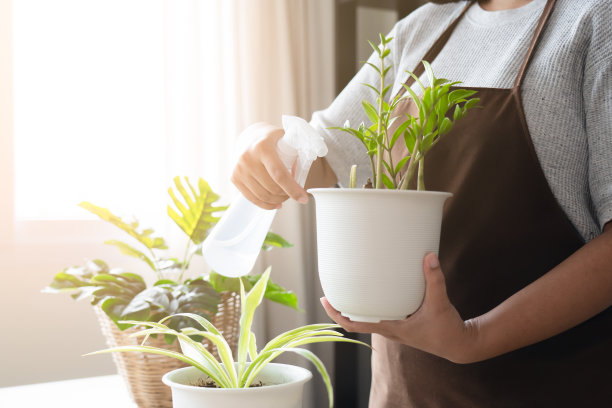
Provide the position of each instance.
(517, 307)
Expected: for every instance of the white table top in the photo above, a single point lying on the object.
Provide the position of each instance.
(94, 392)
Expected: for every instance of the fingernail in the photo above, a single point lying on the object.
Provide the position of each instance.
(321, 300)
(303, 200)
(433, 261)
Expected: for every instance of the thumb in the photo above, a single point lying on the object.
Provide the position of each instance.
(435, 284)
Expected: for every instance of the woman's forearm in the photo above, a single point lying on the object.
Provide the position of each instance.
(571, 293)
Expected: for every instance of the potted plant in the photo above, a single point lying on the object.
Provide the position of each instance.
(118, 295)
(371, 241)
(234, 382)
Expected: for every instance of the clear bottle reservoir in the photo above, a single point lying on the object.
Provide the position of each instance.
(238, 238)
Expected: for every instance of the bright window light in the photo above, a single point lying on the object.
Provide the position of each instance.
(89, 106)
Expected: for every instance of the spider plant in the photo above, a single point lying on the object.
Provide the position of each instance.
(233, 371)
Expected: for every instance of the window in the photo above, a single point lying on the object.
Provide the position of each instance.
(89, 116)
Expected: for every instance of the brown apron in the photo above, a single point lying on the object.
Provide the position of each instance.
(501, 230)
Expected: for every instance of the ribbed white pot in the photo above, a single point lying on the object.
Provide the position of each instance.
(371, 245)
(283, 389)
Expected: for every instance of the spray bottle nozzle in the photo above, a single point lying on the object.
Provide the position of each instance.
(302, 141)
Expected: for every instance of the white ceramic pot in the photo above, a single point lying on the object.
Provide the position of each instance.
(286, 392)
(371, 245)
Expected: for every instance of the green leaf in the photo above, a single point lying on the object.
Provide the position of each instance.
(427, 142)
(137, 309)
(370, 110)
(130, 228)
(458, 94)
(274, 292)
(374, 47)
(387, 182)
(375, 68)
(410, 140)
(441, 108)
(278, 294)
(417, 101)
(398, 132)
(371, 87)
(384, 40)
(195, 351)
(472, 103)
(252, 347)
(155, 296)
(132, 277)
(224, 284)
(165, 282)
(275, 240)
(445, 126)
(113, 307)
(401, 164)
(249, 303)
(152, 350)
(441, 81)
(430, 74)
(384, 93)
(225, 352)
(387, 166)
(417, 80)
(195, 210)
(128, 250)
(458, 113)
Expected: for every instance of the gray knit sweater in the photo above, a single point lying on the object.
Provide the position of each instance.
(567, 91)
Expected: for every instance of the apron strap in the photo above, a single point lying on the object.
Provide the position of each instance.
(437, 46)
(534, 42)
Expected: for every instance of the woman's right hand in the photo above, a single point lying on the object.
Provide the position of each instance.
(260, 175)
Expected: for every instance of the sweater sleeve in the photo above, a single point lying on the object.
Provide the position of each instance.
(345, 149)
(598, 111)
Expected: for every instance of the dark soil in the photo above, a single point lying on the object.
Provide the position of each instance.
(212, 384)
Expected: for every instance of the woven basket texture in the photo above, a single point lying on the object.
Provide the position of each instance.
(142, 372)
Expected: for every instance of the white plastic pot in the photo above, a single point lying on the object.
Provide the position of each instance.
(286, 392)
(371, 245)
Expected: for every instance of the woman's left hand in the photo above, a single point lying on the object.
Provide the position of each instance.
(435, 327)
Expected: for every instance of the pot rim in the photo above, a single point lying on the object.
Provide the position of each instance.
(306, 375)
(357, 191)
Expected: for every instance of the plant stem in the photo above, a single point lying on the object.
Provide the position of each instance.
(405, 181)
(421, 175)
(380, 128)
(353, 178)
(379, 158)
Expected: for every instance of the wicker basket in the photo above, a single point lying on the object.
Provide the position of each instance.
(142, 372)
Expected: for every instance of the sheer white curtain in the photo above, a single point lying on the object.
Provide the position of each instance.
(219, 66)
(254, 62)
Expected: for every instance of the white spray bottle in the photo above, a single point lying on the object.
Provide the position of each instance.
(233, 245)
